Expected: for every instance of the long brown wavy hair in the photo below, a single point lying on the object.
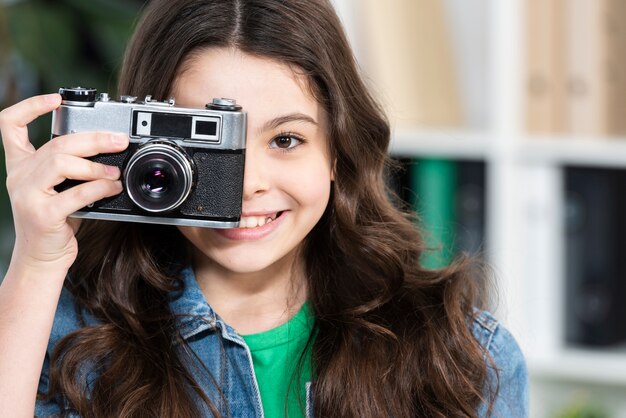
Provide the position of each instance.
(391, 338)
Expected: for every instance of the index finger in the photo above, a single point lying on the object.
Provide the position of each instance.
(15, 119)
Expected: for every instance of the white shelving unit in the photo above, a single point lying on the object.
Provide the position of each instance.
(452, 144)
(525, 231)
(590, 366)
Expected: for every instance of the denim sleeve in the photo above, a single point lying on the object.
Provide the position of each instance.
(507, 369)
(65, 321)
(45, 408)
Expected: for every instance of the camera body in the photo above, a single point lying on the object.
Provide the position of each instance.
(183, 166)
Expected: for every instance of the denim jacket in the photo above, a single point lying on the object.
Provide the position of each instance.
(228, 359)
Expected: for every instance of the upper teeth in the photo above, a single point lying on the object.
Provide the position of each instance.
(254, 221)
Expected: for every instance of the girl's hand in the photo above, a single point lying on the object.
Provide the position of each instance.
(44, 238)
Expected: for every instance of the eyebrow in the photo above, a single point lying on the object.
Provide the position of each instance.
(291, 117)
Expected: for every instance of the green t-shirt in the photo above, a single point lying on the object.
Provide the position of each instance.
(275, 355)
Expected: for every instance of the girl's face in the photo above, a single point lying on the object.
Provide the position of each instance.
(288, 171)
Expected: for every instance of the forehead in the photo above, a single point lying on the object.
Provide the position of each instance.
(262, 86)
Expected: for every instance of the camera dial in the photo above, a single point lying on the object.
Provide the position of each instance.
(223, 104)
(79, 96)
(159, 176)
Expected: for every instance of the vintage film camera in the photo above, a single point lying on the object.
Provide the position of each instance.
(183, 166)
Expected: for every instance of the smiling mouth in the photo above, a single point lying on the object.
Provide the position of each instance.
(256, 221)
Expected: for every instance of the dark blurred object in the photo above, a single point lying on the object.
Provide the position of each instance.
(595, 269)
(449, 198)
(470, 207)
(48, 44)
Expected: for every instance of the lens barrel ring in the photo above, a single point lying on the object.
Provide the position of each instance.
(153, 156)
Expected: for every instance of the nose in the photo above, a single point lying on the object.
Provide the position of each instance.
(256, 177)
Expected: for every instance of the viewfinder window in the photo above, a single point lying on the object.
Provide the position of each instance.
(206, 128)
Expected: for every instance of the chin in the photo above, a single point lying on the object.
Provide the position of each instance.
(248, 262)
(245, 267)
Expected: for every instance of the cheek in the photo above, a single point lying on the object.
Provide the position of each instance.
(192, 234)
(201, 238)
(309, 182)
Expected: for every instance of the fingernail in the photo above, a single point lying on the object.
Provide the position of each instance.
(119, 186)
(119, 139)
(112, 171)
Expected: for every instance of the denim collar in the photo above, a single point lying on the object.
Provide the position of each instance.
(194, 314)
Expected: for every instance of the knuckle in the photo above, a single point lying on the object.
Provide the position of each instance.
(98, 170)
(107, 188)
(80, 193)
(57, 162)
(59, 144)
(11, 183)
(15, 182)
(104, 139)
(11, 186)
(3, 117)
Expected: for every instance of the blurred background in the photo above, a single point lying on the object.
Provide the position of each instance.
(47, 44)
(509, 134)
(510, 119)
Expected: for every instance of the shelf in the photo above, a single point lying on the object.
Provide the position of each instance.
(592, 366)
(436, 143)
(546, 150)
(579, 151)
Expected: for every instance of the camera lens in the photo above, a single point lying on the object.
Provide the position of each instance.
(159, 177)
(156, 182)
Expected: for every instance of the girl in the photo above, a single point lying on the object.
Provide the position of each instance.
(315, 306)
